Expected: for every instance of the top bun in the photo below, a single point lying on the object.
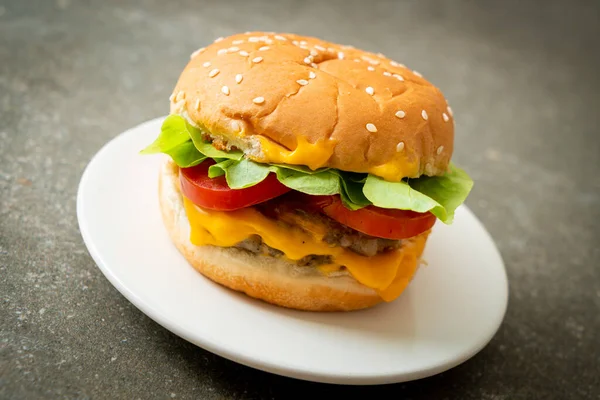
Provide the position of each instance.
(271, 94)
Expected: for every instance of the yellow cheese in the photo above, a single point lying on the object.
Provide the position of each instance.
(388, 273)
(316, 155)
(313, 155)
(394, 171)
(410, 261)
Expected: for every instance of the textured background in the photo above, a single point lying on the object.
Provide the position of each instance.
(523, 82)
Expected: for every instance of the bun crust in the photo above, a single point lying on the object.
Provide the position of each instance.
(372, 114)
(273, 280)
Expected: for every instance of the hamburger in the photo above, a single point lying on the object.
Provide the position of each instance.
(305, 173)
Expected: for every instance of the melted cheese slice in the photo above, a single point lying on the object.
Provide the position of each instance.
(388, 273)
(315, 155)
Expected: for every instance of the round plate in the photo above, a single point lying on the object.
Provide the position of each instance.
(450, 311)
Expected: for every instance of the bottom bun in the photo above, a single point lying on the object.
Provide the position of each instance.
(274, 280)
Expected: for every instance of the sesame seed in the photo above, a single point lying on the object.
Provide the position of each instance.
(180, 96)
(268, 41)
(424, 115)
(243, 53)
(374, 62)
(304, 42)
(450, 111)
(307, 60)
(370, 90)
(347, 47)
(279, 37)
(225, 90)
(445, 116)
(213, 73)
(172, 97)
(402, 65)
(258, 100)
(340, 55)
(439, 150)
(386, 73)
(380, 55)
(312, 75)
(237, 42)
(303, 46)
(222, 51)
(233, 49)
(302, 82)
(314, 53)
(314, 65)
(236, 126)
(206, 64)
(197, 105)
(394, 64)
(370, 68)
(320, 48)
(371, 128)
(399, 77)
(217, 40)
(264, 48)
(400, 114)
(400, 147)
(194, 54)
(238, 78)
(417, 73)
(257, 59)
(253, 39)
(295, 42)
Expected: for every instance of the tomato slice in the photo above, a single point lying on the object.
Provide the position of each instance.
(375, 221)
(214, 194)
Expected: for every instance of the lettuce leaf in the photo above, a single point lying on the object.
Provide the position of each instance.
(440, 195)
(449, 190)
(172, 134)
(245, 173)
(351, 192)
(219, 168)
(319, 184)
(185, 155)
(176, 131)
(176, 142)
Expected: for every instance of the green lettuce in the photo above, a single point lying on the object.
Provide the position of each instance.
(245, 173)
(175, 141)
(440, 195)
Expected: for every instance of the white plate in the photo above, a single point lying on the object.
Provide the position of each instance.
(451, 310)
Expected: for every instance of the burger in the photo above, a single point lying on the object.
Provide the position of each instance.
(305, 173)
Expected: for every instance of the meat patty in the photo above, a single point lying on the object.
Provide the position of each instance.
(331, 231)
(254, 244)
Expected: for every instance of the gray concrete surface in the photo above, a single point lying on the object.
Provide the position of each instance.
(522, 78)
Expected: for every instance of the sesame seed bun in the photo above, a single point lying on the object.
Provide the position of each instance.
(270, 279)
(371, 113)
